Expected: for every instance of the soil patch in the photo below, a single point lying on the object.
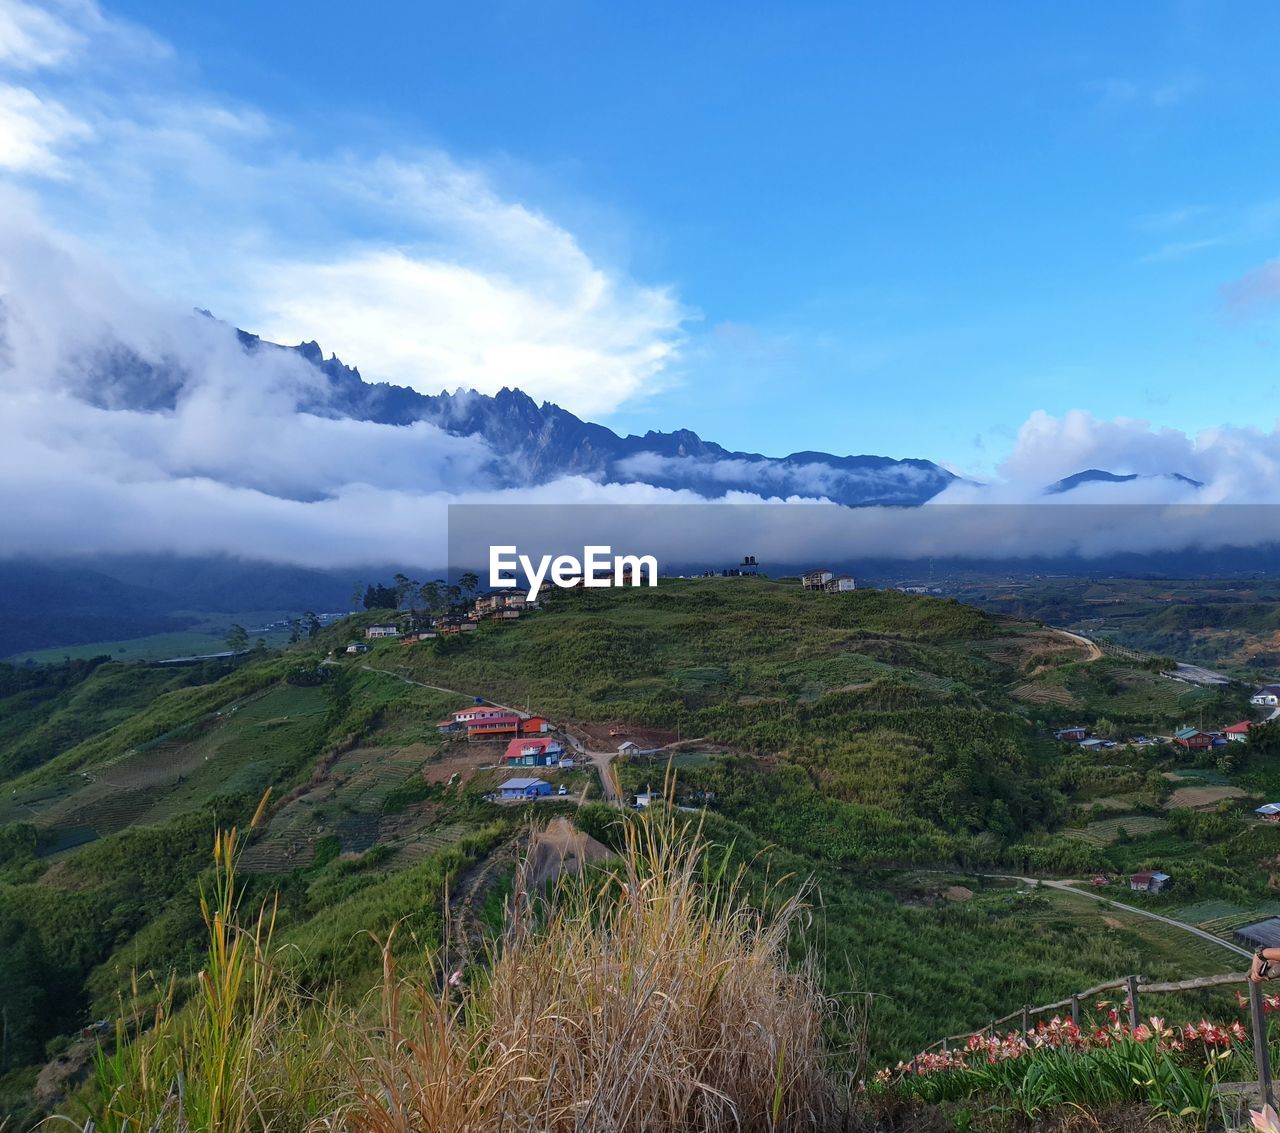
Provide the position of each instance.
(1196, 798)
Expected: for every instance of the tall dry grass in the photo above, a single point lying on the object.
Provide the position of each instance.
(646, 996)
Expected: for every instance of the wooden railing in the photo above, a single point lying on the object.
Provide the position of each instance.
(1133, 985)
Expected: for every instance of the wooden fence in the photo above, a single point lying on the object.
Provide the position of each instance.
(1133, 985)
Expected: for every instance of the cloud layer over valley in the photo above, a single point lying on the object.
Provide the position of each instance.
(126, 201)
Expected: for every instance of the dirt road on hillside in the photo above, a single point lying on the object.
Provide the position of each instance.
(1094, 650)
(440, 688)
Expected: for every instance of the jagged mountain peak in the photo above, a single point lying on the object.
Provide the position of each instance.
(536, 443)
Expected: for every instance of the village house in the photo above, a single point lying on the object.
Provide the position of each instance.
(533, 751)
(504, 724)
(455, 624)
(840, 583)
(1268, 696)
(1192, 739)
(524, 789)
(627, 747)
(1238, 733)
(1096, 744)
(1268, 812)
(477, 712)
(382, 631)
(357, 647)
(1150, 881)
(464, 716)
(484, 720)
(816, 579)
(508, 603)
(1071, 735)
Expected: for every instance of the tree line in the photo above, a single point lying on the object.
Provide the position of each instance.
(436, 596)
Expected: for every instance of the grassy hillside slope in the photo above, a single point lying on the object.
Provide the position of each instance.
(863, 739)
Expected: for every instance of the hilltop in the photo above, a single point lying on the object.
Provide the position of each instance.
(883, 744)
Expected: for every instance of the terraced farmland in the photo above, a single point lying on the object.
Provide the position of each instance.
(1222, 917)
(239, 748)
(1107, 830)
(1035, 693)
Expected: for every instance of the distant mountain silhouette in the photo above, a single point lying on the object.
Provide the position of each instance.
(1101, 476)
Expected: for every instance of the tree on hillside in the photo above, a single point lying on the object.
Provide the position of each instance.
(357, 589)
(237, 638)
(295, 631)
(430, 594)
(406, 590)
(310, 624)
(469, 582)
(1264, 738)
(379, 597)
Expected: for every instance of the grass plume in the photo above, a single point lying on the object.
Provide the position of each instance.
(645, 995)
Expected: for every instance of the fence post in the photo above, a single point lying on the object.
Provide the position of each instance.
(1261, 1055)
(1132, 983)
(1026, 1018)
(1075, 1010)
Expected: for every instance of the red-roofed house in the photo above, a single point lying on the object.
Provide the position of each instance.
(533, 751)
(1238, 732)
(502, 724)
(477, 712)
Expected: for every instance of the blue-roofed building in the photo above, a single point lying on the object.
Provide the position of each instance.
(524, 788)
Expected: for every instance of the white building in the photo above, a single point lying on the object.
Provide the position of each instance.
(382, 631)
(816, 579)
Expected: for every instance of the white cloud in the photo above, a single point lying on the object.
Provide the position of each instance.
(432, 324)
(32, 37)
(33, 131)
(449, 282)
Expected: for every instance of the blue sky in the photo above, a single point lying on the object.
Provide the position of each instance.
(898, 229)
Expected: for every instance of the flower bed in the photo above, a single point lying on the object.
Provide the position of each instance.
(1175, 1070)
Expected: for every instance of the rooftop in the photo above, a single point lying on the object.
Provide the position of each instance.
(1263, 932)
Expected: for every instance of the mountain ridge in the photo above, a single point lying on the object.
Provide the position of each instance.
(552, 442)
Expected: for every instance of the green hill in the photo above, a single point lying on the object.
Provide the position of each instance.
(863, 739)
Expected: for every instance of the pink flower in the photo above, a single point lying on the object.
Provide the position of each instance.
(1265, 1120)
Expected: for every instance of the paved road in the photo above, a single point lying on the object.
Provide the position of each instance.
(1069, 887)
(602, 761)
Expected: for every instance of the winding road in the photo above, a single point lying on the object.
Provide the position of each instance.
(1070, 887)
(603, 760)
